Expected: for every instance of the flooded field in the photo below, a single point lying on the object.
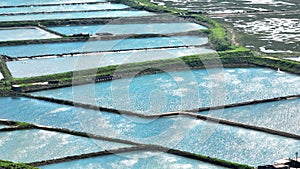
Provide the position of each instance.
(60, 8)
(100, 45)
(269, 26)
(74, 15)
(147, 28)
(187, 134)
(280, 115)
(25, 33)
(47, 66)
(38, 145)
(143, 159)
(5, 3)
(182, 90)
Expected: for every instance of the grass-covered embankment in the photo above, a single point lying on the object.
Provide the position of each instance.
(12, 165)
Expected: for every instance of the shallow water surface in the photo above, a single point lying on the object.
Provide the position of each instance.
(135, 160)
(182, 90)
(105, 45)
(37, 145)
(65, 8)
(280, 115)
(3, 126)
(46, 66)
(74, 15)
(39, 2)
(24, 33)
(149, 28)
(187, 134)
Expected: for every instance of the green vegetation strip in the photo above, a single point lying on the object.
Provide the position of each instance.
(12, 165)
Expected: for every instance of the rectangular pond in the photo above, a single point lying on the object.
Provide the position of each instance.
(64, 8)
(187, 134)
(6, 3)
(37, 145)
(3, 126)
(100, 45)
(24, 33)
(46, 66)
(279, 115)
(147, 28)
(182, 90)
(135, 160)
(74, 15)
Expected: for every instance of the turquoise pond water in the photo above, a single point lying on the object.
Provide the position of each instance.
(149, 28)
(282, 115)
(92, 46)
(3, 126)
(187, 134)
(36, 145)
(75, 15)
(137, 160)
(10, 34)
(182, 90)
(79, 7)
(46, 66)
(38, 2)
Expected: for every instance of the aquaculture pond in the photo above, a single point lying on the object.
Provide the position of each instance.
(137, 160)
(64, 8)
(37, 145)
(3, 126)
(187, 134)
(278, 115)
(6, 3)
(24, 33)
(74, 15)
(182, 90)
(147, 28)
(100, 45)
(46, 66)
